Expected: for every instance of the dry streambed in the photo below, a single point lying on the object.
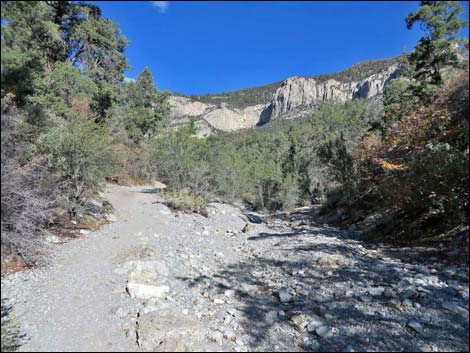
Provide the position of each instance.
(164, 281)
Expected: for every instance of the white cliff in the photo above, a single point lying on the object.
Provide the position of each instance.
(295, 97)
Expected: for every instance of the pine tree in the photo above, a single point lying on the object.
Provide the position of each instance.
(439, 47)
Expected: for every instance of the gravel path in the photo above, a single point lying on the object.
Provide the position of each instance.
(158, 280)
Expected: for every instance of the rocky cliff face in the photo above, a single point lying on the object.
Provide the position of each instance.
(299, 95)
(210, 118)
(296, 97)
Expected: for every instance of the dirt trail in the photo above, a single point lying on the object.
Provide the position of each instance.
(233, 285)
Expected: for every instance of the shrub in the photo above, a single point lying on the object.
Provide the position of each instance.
(29, 192)
(186, 201)
(80, 151)
(179, 158)
(443, 181)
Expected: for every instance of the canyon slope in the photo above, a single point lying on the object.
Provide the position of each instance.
(292, 98)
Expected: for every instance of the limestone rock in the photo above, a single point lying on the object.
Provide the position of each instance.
(146, 291)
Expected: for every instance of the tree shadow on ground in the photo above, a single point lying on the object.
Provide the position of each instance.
(10, 333)
(362, 321)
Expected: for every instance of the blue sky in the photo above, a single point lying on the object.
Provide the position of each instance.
(213, 47)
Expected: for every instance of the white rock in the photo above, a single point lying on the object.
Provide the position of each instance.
(229, 293)
(232, 311)
(53, 239)
(145, 291)
(219, 301)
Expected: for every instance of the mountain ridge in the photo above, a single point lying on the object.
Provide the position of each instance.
(290, 98)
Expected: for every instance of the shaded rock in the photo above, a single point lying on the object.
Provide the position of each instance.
(314, 324)
(324, 331)
(455, 308)
(285, 295)
(415, 325)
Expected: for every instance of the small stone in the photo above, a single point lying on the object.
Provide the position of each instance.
(376, 291)
(417, 305)
(324, 332)
(415, 325)
(299, 321)
(395, 302)
(314, 324)
(312, 345)
(409, 293)
(389, 293)
(407, 302)
(219, 301)
(284, 295)
(232, 311)
(229, 293)
(53, 239)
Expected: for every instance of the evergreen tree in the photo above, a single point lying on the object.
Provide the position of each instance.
(146, 109)
(439, 48)
(38, 35)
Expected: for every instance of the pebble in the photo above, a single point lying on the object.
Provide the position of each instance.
(407, 302)
(389, 293)
(229, 293)
(324, 331)
(314, 324)
(284, 295)
(415, 325)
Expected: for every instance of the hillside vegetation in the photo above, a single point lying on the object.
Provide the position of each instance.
(396, 168)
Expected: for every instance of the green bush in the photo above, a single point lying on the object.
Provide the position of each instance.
(443, 181)
(79, 151)
(186, 201)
